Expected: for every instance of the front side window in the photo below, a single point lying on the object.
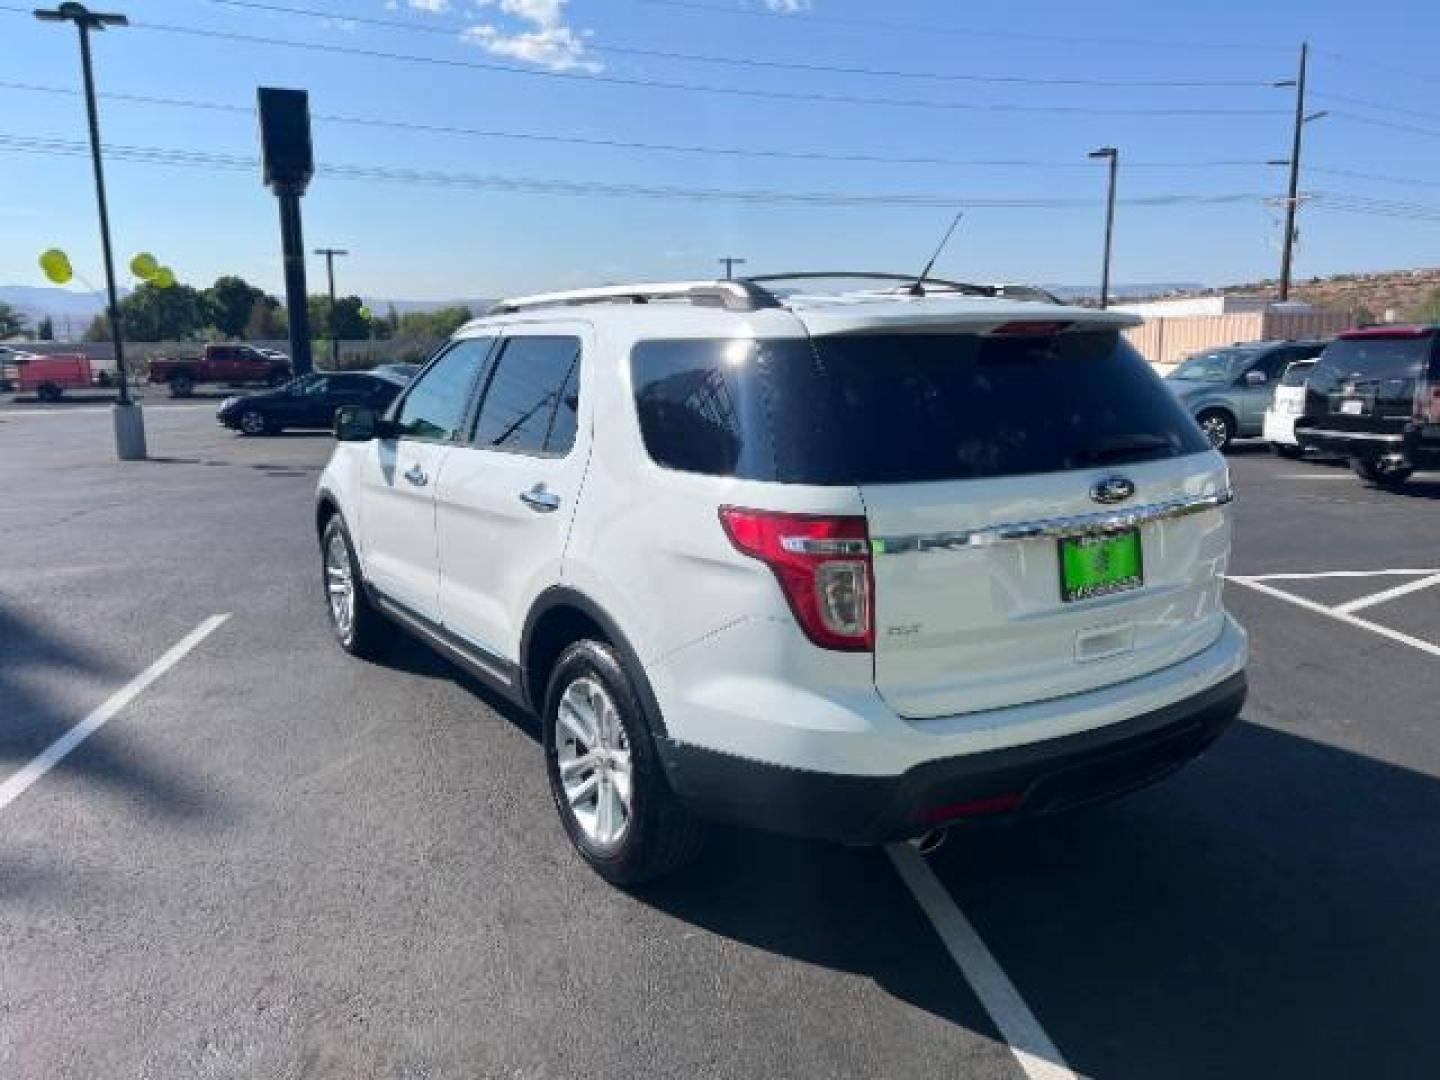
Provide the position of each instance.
(434, 409)
(1222, 365)
(532, 399)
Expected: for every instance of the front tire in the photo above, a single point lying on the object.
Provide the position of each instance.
(181, 386)
(1285, 450)
(360, 629)
(253, 422)
(1373, 474)
(49, 393)
(1218, 426)
(605, 777)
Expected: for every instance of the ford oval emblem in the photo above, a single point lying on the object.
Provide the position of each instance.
(1113, 489)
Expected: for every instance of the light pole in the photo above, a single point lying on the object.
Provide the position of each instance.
(129, 421)
(1292, 199)
(1113, 155)
(730, 262)
(330, 254)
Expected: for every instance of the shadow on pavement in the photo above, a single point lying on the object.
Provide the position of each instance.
(1270, 912)
(30, 720)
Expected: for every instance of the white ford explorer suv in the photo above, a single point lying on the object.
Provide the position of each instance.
(857, 566)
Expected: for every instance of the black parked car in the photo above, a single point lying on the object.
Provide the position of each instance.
(308, 402)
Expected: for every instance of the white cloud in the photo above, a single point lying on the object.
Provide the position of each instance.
(434, 7)
(547, 41)
(788, 7)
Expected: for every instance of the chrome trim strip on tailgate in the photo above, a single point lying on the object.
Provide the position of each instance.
(1052, 528)
(1368, 436)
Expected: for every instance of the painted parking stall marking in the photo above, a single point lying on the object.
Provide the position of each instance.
(1419, 581)
(1032, 1048)
(56, 752)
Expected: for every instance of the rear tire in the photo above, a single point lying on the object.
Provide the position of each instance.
(1373, 474)
(181, 386)
(598, 747)
(49, 393)
(277, 378)
(1219, 428)
(1285, 450)
(360, 629)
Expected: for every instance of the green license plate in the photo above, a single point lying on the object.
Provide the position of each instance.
(1092, 566)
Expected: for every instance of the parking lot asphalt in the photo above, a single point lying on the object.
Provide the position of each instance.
(277, 861)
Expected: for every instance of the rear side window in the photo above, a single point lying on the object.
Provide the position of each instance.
(435, 406)
(532, 400)
(900, 408)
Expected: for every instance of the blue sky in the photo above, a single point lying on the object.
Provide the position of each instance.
(427, 241)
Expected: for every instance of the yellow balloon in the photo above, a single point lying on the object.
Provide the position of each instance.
(163, 277)
(365, 313)
(144, 266)
(56, 265)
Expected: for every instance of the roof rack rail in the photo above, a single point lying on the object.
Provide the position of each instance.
(737, 295)
(754, 293)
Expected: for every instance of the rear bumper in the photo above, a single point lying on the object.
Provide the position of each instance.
(1279, 428)
(1417, 445)
(1017, 782)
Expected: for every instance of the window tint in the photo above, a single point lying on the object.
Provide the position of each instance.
(885, 408)
(435, 406)
(1273, 363)
(1297, 373)
(531, 401)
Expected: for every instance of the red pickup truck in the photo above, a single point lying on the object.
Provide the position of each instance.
(231, 364)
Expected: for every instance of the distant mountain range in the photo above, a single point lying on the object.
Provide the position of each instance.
(1124, 292)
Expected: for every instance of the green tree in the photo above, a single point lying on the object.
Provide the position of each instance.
(439, 323)
(151, 313)
(12, 320)
(349, 325)
(45, 329)
(99, 328)
(228, 304)
(267, 321)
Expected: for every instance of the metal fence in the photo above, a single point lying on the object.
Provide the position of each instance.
(1165, 342)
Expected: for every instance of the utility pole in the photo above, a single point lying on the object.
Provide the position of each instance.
(129, 420)
(1113, 155)
(730, 262)
(330, 254)
(1292, 198)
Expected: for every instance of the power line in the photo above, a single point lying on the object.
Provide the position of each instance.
(1380, 65)
(540, 185)
(1391, 125)
(450, 30)
(625, 144)
(1350, 174)
(933, 28)
(686, 87)
(1378, 106)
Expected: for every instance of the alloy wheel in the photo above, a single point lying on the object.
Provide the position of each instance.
(340, 584)
(593, 756)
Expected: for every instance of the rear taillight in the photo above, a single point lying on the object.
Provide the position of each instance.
(1427, 403)
(823, 566)
(1030, 328)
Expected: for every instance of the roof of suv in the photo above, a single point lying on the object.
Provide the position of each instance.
(720, 307)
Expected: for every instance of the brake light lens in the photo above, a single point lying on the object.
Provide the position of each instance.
(1030, 328)
(823, 566)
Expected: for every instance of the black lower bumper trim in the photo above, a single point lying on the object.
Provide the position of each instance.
(1022, 781)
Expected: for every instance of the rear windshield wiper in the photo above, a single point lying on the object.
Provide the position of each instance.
(1122, 446)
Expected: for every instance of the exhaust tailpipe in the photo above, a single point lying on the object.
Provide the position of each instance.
(929, 843)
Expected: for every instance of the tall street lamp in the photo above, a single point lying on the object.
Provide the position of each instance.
(129, 421)
(330, 254)
(1113, 155)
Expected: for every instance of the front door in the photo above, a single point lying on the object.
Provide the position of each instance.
(400, 477)
(506, 498)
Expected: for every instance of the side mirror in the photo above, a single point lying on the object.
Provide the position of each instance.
(356, 423)
(1255, 378)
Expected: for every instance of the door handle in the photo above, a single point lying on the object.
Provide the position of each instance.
(416, 475)
(540, 500)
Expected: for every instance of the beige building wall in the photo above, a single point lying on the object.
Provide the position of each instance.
(1165, 342)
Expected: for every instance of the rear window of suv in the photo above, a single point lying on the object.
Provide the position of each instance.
(900, 408)
(1297, 373)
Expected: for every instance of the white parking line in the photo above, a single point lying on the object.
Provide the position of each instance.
(1349, 479)
(1339, 616)
(6, 414)
(53, 754)
(1334, 574)
(1033, 1050)
(1360, 603)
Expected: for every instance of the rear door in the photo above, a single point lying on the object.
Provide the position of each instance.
(972, 454)
(505, 500)
(400, 475)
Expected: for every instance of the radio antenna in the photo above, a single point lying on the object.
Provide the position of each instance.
(918, 289)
